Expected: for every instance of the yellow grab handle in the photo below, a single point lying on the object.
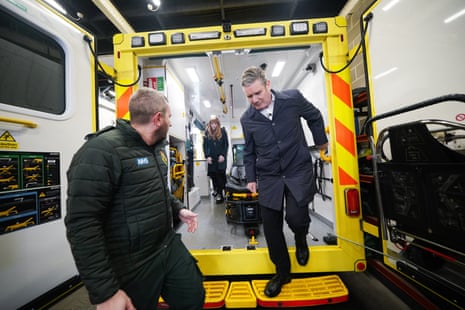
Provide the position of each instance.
(325, 157)
(18, 121)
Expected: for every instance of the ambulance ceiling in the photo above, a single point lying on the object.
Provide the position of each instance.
(172, 14)
(96, 15)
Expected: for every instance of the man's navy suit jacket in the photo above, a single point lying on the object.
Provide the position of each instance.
(276, 152)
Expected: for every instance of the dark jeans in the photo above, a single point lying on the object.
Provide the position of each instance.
(218, 180)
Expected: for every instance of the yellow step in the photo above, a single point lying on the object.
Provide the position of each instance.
(304, 292)
(301, 292)
(215, 293)
(240, 295)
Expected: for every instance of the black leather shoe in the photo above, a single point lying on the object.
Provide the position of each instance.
(219, 198)
(302, 255)
(301, 249)
(273, 287)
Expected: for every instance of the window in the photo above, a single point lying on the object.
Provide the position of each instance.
(32, 67)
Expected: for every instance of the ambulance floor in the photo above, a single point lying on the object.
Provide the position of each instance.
(365, 291)
(215, 232)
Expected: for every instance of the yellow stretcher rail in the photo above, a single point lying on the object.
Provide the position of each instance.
(244, 196)
(178, 171)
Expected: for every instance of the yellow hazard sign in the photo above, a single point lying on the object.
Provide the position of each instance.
(7, 141)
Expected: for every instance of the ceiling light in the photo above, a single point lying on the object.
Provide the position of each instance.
(242, 51)
(153, 5)
(278, 68)
(193, 75)
(239, 51)
(207, 104)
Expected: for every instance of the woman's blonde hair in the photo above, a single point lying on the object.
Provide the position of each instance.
(217, 134)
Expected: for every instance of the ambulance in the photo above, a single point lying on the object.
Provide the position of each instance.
(377, 212)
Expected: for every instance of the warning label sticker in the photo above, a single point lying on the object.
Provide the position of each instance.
(7, 141)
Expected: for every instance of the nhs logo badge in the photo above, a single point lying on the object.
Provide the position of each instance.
(142, 161)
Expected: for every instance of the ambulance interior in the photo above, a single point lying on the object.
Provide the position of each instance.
(209, 96)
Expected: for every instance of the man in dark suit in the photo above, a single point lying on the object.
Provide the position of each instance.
(277, 159)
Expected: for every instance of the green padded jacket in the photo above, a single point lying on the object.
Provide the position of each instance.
(119, 207)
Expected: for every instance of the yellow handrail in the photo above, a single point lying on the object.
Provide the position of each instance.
(218, 77)
(25, 123)
(325, 157)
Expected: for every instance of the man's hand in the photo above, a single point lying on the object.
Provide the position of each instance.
(323, 147)
(220, 158)
(190, 218)
(252, 187)
(119, 301)
(209, 160)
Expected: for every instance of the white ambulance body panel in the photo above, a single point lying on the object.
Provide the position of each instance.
(36, 258)
(416, 57)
